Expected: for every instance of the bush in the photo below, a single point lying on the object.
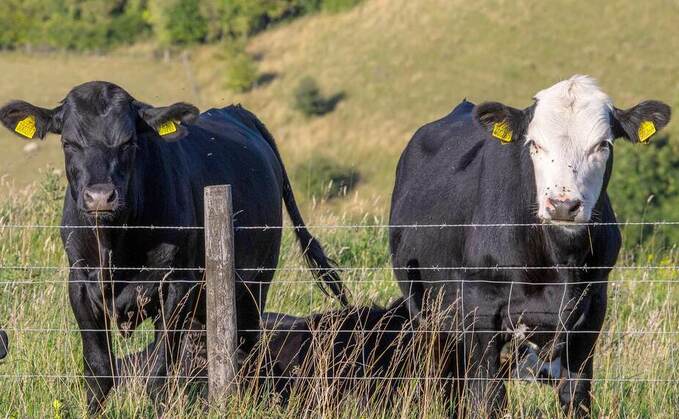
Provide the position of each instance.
(241, 69)
(177, 22)
(308, 99)
(338, 5)
(323, 178)
(644, 186)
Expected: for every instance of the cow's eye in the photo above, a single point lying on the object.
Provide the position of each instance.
(603, 146)
(127, 145)
(71, 146)
(533, 146)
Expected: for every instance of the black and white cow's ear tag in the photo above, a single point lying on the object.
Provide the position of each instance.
(646, 131)
(502, 132)
(26, 127)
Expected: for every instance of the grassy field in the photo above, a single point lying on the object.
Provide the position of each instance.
(399, 64)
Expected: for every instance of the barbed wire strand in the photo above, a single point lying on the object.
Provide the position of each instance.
(341, 226)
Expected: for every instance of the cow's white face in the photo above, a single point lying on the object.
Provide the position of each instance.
(570, 140)
(569, 133)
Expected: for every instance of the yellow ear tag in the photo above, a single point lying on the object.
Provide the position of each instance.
(26, 127)
(167, 127)
(502, 132)
(646, 129)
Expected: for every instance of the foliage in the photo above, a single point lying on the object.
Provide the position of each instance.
(309, 100)
(72, 24)
(46, 352)
(177, 22)
(644, 185)
(241, 69)
(323, 178)
(86, 25)
(338, 5)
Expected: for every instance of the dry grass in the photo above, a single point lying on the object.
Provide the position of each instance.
(400, 63)
(45, 345)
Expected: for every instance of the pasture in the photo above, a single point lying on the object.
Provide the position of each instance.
(399, 64)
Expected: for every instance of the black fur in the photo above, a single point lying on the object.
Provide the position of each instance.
(110, 138)
(454, 172)
(627, 121)
(4, 344)
(354, 343)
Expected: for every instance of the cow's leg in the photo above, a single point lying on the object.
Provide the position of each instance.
(98, 360)
(485, 393)
(577, 364)
(178, 302)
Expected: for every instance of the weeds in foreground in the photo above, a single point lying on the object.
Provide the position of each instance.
(634, 362)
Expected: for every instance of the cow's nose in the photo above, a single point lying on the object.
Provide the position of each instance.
(99, 197)
(563, 209)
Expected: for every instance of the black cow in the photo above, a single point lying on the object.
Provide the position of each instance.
(4, 344)
(547, 165)
(125, 166)
(344, 347)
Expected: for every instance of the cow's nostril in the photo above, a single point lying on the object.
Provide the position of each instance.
(111, 196)
(574, 206)
(563, 209)
(99, 197)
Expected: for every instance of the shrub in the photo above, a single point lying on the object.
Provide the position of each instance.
(309, 101)
(323, 178)
(241, 69)
(644, 186)
(338, 5)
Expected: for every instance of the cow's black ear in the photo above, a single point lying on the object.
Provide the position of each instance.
(502, 122)
(168, 120)
(639, 123)
(30, 121)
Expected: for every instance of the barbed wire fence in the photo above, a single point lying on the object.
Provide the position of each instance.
(221, 307)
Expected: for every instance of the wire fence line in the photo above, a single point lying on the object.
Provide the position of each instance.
(625, 333)
(360, 378)
(341, 226)
(366, 331)
(66, 281)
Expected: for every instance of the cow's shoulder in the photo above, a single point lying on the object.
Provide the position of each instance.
(450, 131)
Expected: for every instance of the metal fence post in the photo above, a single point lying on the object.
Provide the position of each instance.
(220, 279)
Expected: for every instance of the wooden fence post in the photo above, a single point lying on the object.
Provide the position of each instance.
(221, 328)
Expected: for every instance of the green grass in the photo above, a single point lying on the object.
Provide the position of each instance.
(41, 355)
(401, 64)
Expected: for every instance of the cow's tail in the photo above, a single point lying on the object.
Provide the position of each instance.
(322, 267)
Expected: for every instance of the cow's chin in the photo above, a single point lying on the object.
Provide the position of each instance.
(105, 218)
(569, 225)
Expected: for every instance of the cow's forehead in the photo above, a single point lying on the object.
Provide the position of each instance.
(575, 112)
(98, 111)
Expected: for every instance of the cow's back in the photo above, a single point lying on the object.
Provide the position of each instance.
(453, 172)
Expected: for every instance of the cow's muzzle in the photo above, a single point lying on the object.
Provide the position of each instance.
(563, 209)
(100, 198)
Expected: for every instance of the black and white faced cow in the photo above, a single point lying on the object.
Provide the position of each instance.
(547, 165)
(129, 163)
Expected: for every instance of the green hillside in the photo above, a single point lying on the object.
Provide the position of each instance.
(394, 65)
(399, 64)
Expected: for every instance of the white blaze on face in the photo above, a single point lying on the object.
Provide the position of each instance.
(569, 139)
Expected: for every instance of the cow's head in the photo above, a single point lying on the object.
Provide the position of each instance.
(569, 133)
(102, 128)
